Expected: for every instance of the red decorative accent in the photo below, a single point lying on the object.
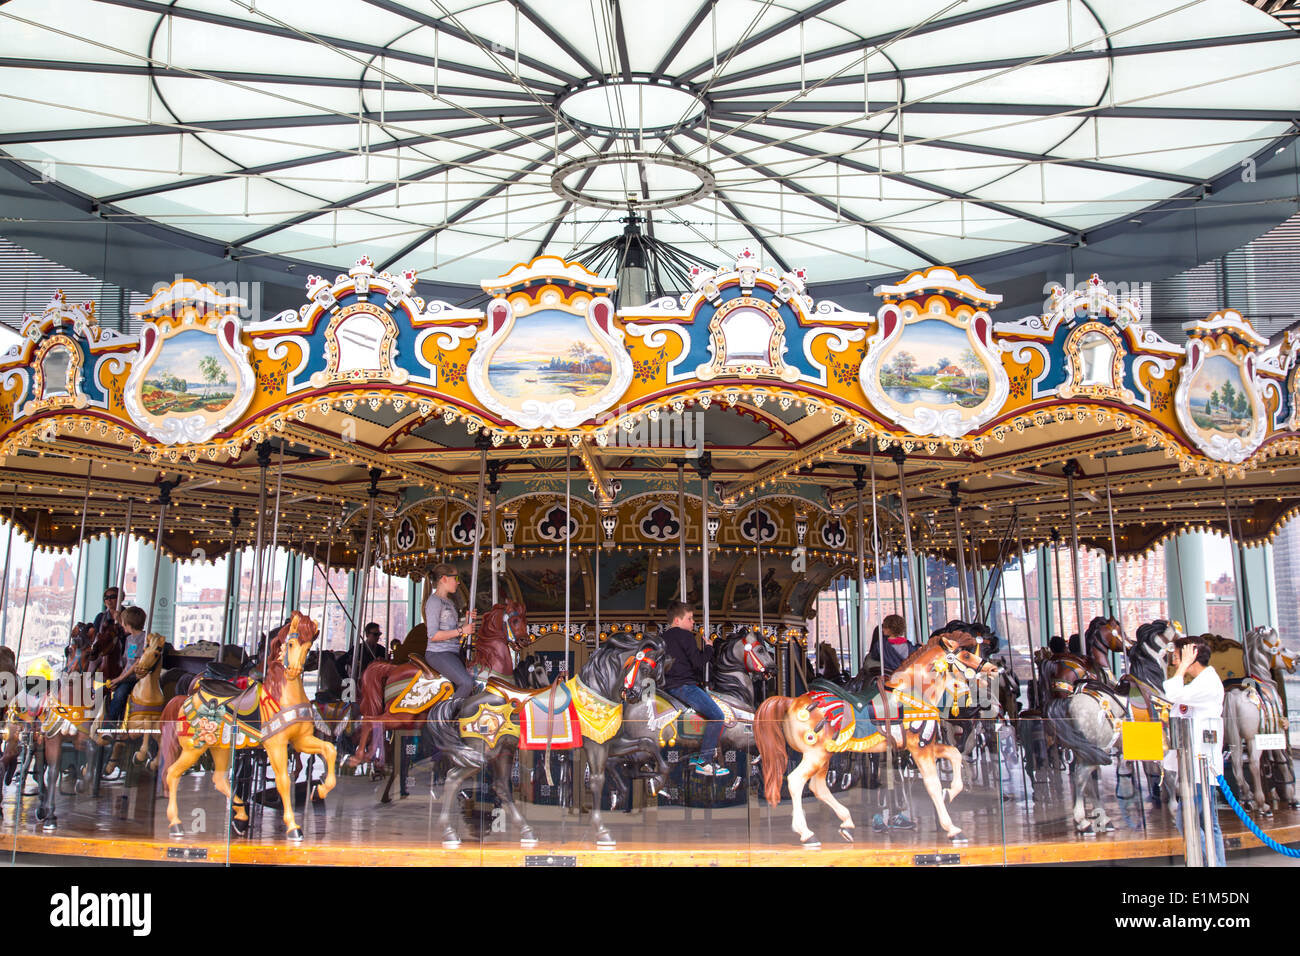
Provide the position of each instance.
(228, 332)
(832, 706)
(559, 732)
(1250, 366)
(982, 329)
(500, 313)
(1193, 353)
(600, 311)
(888, 320)
(148, 337)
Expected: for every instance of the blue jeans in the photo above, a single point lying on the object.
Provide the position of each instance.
(449, 665)
(1220, 859)
(121, 694)
(699, 700)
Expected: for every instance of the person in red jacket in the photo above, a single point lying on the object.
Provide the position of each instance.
(685, 681)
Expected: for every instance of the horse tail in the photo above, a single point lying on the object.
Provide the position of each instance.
(769, 734)
(169, 744)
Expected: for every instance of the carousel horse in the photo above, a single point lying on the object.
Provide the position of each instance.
(272, 714)
(1251, 706)
(1143, 685)
(588, 711)
(738, 659)
(71, 711)
(904, 711)
(413, 646)
(828, 664)
(531, 672)
(1088, 719)
(230, 663)
(11, 708)
(144, 708)
(397, 698)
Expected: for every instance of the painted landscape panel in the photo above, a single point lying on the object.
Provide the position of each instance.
(190, 374)
(549, 355)
(932, 363)
(1218, 398)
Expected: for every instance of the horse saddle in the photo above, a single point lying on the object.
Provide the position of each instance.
(547, 717)
(862, 714)
(693, 723)
(243, 702)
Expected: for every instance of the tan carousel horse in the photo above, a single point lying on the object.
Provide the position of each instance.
(907, 707)
(272, 714)
(144, 708)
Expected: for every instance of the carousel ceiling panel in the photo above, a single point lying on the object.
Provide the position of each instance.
(483, 87)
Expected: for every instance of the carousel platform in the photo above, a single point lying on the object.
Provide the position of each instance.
(354, 829)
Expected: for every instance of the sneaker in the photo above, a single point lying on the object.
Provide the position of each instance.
(708, 769)
(878, 823)
(902, 821)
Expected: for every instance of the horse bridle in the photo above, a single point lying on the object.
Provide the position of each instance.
(752, 662)
(632, 667)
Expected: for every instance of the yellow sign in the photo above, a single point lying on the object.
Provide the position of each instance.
(1143, 740)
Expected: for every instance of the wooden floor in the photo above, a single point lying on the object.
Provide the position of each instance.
(354, 829)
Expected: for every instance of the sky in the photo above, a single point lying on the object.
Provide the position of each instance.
(929, 341)
(181, 356)
(542, 336)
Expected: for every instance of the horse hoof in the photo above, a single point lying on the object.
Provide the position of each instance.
(810, 842)
(294, 835)
(527, 837)
(385, 799)
(450, 841)
(41, 813)
(846, 834)
(958, 838)
(176, 832)
(51, 823)
(238, 827)
(1294, 804)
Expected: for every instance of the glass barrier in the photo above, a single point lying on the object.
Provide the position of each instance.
(977, 790)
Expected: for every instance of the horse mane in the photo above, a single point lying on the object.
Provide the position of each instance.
(274, 679)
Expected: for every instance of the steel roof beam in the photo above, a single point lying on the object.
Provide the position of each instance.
(904, 179)
(568, 204)
(465, 210)
(409, 141)
(854, 107)
(891, 138)
(460, 33)
(946, 69)
(691, 26)
(813, 197)
(379, 190)
(243, 76)
(740, 217)
(535, 113)
(879, 39)
(352, 46)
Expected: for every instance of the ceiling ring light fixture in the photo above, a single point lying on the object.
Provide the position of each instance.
(644, 163)
(635, 107)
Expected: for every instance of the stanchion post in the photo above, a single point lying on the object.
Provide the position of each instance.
(1180, 735)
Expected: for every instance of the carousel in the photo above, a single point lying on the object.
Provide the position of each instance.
(740, 448)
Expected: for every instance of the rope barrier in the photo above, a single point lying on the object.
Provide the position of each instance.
(1260, 835)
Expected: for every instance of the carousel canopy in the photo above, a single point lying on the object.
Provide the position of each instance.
(853, 139)
(780, 413)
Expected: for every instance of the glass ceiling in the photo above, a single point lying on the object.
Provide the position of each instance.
(857, 138)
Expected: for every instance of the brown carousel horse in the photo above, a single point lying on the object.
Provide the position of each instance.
(907, 707)
(73, 710)
(397, 698)
(11, 707)
(272, 714)
(144, 708)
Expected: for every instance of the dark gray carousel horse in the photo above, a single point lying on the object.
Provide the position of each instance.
(472, 734)
(738, 660)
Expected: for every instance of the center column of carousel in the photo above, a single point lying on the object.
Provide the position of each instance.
(705, 467)
(859, 484)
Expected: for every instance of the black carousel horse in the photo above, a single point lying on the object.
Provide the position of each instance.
(476, 735)
(739, 661)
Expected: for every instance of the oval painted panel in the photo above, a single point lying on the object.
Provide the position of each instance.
(190, 374)
(547, 356)
(932, 363)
